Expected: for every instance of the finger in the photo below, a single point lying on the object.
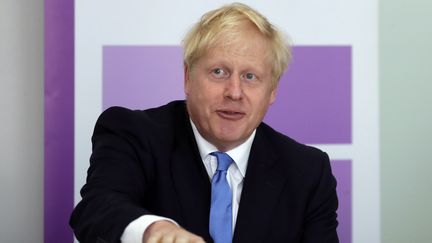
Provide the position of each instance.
(154, 238)
(182, 239)
(187, 237)
(198, 240)
(168, 238)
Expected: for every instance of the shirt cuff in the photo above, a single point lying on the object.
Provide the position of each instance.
(134, 232)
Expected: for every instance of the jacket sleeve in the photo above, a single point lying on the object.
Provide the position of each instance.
(115, 188)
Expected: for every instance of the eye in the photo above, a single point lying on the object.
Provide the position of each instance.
(250, 76)
(219, 73)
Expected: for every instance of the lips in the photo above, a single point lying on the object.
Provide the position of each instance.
(230, 114)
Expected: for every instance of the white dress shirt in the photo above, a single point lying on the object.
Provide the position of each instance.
(133, 233)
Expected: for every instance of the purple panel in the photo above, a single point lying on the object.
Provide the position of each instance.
(141, 77)
(314, 96)
(313, 105)
(342, 170)
(59, 116)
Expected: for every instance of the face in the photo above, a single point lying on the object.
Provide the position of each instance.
(228, 90)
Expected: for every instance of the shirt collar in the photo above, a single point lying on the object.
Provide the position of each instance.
(239, 154)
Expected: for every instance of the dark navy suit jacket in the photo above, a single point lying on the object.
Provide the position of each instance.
(147, 162)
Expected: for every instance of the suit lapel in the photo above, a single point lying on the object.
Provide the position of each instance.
(190, 180)
(262, 186)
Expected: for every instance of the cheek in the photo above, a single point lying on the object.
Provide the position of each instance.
(261, 105)
(209, 93)
(202, 98)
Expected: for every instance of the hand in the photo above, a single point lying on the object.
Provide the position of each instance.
(167, 232)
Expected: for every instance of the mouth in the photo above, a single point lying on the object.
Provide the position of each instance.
(230, 114)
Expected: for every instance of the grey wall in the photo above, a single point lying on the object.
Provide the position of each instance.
(406, 120)
(21, 129)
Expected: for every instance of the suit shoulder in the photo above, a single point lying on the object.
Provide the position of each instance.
(155, 125)
(288, 146)
(121, 117)
(294, 156)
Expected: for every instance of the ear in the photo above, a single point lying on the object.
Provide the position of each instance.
(272, 96)
(186, 79)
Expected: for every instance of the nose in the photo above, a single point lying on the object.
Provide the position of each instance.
(233, 88)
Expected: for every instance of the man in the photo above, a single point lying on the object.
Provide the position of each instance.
(156, 175)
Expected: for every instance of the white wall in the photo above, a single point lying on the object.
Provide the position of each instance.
(21, 119)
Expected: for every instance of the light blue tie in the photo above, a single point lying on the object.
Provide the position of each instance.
(221, 198)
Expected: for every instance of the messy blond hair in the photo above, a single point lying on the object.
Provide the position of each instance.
(226, 21)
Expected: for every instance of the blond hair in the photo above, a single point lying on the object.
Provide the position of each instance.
(226, 21)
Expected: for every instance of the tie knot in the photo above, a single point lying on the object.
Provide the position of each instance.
(224, 160)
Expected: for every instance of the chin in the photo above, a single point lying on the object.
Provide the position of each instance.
(230, 140)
